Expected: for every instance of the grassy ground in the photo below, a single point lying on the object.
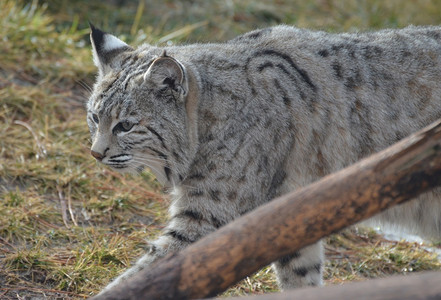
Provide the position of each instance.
(67, 224)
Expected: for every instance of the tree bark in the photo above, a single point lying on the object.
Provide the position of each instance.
(292, 222)
(407, 287)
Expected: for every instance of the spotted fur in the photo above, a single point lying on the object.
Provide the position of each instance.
(230, 126)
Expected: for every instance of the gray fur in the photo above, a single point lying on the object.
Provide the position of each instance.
(230, 126)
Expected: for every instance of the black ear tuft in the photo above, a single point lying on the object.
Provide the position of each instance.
(97, 37)
(91, 25)
(106, 49)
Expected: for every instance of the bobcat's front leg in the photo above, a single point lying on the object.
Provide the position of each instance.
(158, 249)
(302, 268)
(189, 222)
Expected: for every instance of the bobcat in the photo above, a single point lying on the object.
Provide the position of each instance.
(229, 126)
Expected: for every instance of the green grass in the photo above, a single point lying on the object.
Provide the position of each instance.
(361, 254)
(67, 224)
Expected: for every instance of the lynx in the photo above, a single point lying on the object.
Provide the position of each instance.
(229, 126)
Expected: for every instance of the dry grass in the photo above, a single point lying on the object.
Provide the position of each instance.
(68, 225)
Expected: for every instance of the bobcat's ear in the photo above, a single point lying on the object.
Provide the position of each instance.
(105, 49)
(167, 72)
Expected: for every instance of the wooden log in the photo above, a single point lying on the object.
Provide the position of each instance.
(292, 222)
(408, 287)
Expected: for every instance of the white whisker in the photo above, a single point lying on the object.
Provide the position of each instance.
(85, 86)
(149, 157)
(149, 164)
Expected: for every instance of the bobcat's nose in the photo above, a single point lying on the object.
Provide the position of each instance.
(97, 155)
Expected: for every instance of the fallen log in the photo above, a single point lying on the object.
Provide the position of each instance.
(292, 222)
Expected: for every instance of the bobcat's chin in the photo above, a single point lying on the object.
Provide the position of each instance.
(126, 169)
(123, 163)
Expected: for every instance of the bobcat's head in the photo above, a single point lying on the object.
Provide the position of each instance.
(137, 112)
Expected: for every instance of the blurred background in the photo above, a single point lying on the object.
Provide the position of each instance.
(69, 225)
(217, 20)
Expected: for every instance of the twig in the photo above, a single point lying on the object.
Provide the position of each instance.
(69, 204)
(45, 223)
(40, 220)
(28, 78)
(7, 243)
(41, 150)
(63, 206)
(4, 293)
(4, 250)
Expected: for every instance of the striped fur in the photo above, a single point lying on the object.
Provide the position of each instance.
(230, 126)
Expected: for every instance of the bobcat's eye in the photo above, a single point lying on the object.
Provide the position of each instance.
(95, 118)
(123, 126)
(126, 125)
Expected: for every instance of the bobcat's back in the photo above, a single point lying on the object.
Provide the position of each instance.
(332, 98)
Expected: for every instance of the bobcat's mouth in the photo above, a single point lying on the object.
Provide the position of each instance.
(120, 162)
(129, 163)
